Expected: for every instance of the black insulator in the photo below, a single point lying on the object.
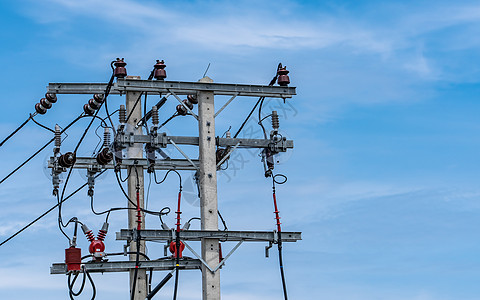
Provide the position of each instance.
(181, 110)
(88, 110)
(155, 115)
(275, 121)
(105, 156)
(160, 73)
(67, 160)
(192, 99)
(120, 71)
(188, 104)
(220, 154)
(45, 103)
(52, 98)
(40, 109)
(283, 79)
(122, 114)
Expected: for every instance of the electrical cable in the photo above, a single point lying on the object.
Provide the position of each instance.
(15, 131)
(43, 126)
(47, 212)
(70, 283)
(272, 82)
(223, 221)
(168, 120)
(177, 237)
(279, 231)
(39, 150)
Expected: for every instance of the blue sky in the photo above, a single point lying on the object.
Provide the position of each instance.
(383, 177)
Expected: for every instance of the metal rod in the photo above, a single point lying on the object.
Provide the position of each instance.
(225, 105)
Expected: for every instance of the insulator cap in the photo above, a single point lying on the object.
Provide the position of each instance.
(40, 109)
(120, 71)
(160, 73)
(67, 160)
(181, 110)
(52, 98)
(192, 99)
(88, 110)
(283, 79)
(105, 156)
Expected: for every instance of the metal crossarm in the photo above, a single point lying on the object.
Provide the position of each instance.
(197, 235)
(168, 164)
(178, 87)
(125, 266)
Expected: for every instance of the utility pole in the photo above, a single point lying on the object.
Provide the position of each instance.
(208, 192)
(136, 179)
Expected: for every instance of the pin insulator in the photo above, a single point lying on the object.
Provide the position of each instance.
(283, 79)
(106, 137)
(181, 110)
(120, 71)
(58, 136)
(192, 99)
(275, 120)
(122, 114)
(160, 73)
(105, 156)
(155, 119)
(67, 160)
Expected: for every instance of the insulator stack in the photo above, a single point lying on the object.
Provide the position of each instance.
(105, 156)
(45, 103)
(58, 137)
(155, 115)
(67, 160)
(189, 102)
(283, 79)
(275, 120)
(160, 73)
(88, 233)
(93, 104)
(122, 114)
(228, 135)
(120, 71)
(106, 137)
(103, 232)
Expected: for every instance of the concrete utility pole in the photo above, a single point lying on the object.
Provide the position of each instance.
(208, 192)
(136, 151)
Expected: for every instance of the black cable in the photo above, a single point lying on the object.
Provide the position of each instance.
(43, 126)
(272, 82)
(15, 131)
(168, 120)
(223, 221)
(118, 254)
(38, 151)
(47, 212)
(71, 283)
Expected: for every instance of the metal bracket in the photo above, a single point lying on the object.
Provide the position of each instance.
(228, 155)
(183, 153)
(225, 105)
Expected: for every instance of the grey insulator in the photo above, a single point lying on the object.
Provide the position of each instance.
(122, 114)
(154, 115)
(106, 137)
(275, 121)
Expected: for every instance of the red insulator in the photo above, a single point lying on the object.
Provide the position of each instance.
(90, 236)
(101, 235)
(173, 249)
(105, 156)
(73, 258)
(283, 79)
(96, 246)
(51, 97)
(120, 71)
(160, 73)
(67, 160)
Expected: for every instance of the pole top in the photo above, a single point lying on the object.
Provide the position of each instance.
(206, 79)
